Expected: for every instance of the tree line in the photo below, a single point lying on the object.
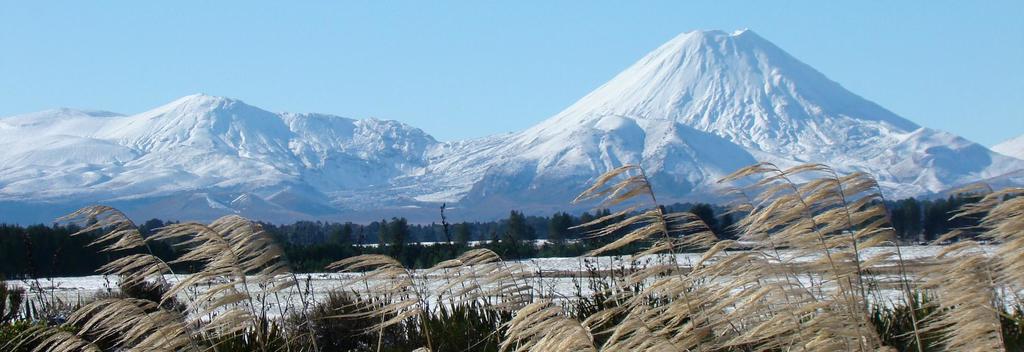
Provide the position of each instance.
(50, 251)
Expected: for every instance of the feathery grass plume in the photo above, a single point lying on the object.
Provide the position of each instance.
(736, 292)
(258, 254)
(1003, 223)
(263, 258)
(972, 287)
(226, 300)
(134, 324)
(727, 301)
(647, 225)
(655, 315)
(647, 325)
(480, 278)
(967, 315)
(44, 338)
(135, 268)
(672, 310)
(761, 312)
(828, 219)
(912, 300)
(480, 275)
(543, 326)
(639, 338)
(386, 279)
(232, 249)
(121, 235)
(598, 190)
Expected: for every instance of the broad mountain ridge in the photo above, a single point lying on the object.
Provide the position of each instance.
(691, 111)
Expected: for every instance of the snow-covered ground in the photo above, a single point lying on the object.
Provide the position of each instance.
(553, 277)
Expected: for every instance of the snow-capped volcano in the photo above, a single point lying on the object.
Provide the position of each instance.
(708, 102)
(743, 88)
(696, 108)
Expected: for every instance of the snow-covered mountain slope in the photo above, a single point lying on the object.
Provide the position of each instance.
(742, 88)
(202, 154)
(1013, 147)
(696, 108)
(530, 169)
(691, 111)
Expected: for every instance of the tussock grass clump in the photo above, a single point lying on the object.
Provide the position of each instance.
(815, 267)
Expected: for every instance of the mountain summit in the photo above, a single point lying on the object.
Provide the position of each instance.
(698, 107)
(743, 88)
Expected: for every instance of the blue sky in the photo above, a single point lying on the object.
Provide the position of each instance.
(468, 69)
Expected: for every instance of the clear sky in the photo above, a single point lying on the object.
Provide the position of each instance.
(467, 69)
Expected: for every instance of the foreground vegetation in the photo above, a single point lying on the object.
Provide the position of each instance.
(828, 298)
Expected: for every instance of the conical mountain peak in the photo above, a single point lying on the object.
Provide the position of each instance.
(739, 86)
(700, 38)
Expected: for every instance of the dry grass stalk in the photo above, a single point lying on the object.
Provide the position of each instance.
(237, 256)
(542, 326)
(226, 301)
(383, 277)
(966, 317)
(970, 285)
(121, 235)
(135, 324)
(1003, 223)
(481, 275)
(50, 339)
(826, 217)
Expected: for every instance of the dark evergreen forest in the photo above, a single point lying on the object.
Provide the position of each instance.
(50, 250)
